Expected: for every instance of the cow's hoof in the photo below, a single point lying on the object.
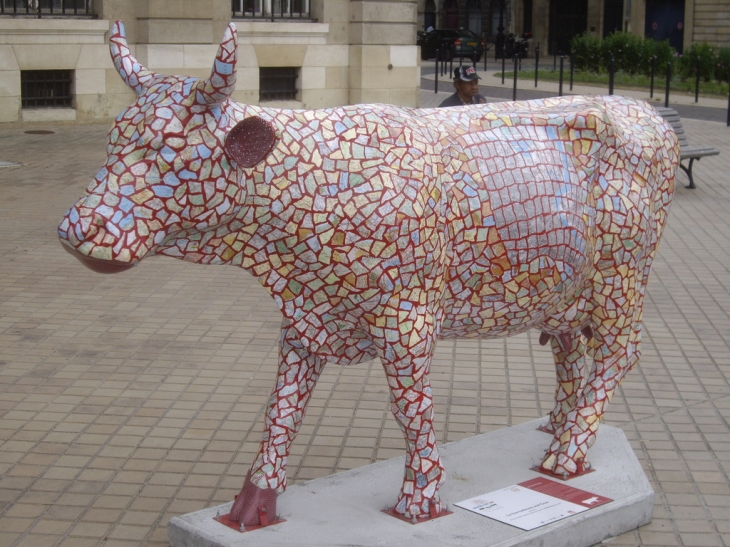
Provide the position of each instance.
(421, 508)
(562, 467)
(419, 498)
(566, 457)
(251, 499)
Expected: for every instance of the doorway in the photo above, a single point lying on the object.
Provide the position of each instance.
(568, 18)
(451, 14)
(613, 16)
(665, 21)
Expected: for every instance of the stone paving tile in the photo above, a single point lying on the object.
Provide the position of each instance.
(128, 399)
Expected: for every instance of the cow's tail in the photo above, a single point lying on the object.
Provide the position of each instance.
(665, 145)
(643, 155)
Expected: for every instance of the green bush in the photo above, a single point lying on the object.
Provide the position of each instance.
(707, 56)
(664, 54)
(586, 52)
(632, 54)
(626, 49)
(722, 70)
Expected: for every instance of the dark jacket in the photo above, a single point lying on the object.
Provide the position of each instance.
(455, 100)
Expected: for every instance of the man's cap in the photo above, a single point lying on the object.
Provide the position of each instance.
(466, 73)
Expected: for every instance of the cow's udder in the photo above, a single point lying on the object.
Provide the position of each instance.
(97, 265)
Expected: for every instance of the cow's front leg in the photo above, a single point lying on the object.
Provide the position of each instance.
(299, 370)
(570, 364)
(406, 358)
(615, 354)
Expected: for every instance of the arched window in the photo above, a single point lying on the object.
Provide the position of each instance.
(429, 15)
(474, 16)
(451, 14)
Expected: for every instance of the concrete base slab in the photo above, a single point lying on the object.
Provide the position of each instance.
(344, 509)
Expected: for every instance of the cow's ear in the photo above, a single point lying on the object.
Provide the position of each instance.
(250, 141)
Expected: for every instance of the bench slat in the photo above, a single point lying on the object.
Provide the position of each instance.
(697, 152)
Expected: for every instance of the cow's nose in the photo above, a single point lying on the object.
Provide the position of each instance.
(77, 229)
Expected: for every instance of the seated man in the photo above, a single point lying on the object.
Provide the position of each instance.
(466, 82)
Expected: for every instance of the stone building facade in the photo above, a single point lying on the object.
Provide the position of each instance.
(340, 51)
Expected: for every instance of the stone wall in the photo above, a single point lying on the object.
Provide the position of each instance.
(350, 51)
(711, 22)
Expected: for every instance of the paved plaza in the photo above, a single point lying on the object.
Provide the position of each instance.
(131, 398)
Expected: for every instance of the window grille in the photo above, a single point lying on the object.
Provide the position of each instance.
(270, 9)
(40, 8)
(45, 88)
(278, 83)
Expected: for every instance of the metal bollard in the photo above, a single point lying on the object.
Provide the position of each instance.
(560, 84)
(697, 79)
(514, 80)
(571, 70)
(653, 69)
(504, 55)
(537, 61)
(611, 71)
(669, 79)
(436, 80)
(728, 110)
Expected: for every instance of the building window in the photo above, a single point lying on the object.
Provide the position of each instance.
(274, 9)
(46, 88)
(278, 83)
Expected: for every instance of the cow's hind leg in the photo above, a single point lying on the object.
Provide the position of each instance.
(299, 370)
(570, 367)
(615, 353)
(407, 359)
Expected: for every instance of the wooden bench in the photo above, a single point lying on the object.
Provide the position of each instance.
(686, 151)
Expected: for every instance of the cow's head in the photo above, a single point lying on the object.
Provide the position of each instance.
(168, 170)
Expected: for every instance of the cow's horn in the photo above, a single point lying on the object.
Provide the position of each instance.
(222, 81)
(131, 71)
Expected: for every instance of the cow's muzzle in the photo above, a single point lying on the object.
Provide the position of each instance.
(97, 265)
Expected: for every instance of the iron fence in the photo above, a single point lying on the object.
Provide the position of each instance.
(278, 83)
(44, 88)
(45, 8)
(270, 9)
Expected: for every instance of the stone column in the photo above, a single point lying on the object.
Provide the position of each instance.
(540, 20)
(594, 22)
(384, 61)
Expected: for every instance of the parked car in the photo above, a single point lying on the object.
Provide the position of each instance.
(459, 43)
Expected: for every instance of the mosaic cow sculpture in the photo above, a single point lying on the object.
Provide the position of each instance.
(378, 230)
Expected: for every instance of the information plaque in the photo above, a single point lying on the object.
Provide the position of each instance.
(534, 503)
